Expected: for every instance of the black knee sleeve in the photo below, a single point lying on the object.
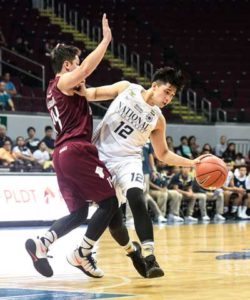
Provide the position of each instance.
(70, 222)
(118, 230)
(143, 223)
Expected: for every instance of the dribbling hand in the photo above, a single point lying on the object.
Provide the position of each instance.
(107, 35)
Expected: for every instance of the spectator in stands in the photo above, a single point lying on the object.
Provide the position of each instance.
(233, 195)
(170, 143)
(230, 153)
(9, 85)
(182, 183)
(184, 150)
(42, 156)
(221, 147)
(5, 99)
(32, 141)
(22, 47)
(3, 136)
(2, 39)
(239, 160)
(216, 195)
(206, 149)
(23, 153)
(48, 139)
(7, 157)
(49, 46)
(193, 146)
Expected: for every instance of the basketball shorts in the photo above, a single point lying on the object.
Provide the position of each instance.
(81, 176)
(126, 175)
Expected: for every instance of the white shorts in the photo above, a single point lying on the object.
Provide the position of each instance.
(126, 175)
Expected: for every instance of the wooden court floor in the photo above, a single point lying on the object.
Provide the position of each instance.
(201, 261)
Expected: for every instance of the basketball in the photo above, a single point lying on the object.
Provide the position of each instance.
(211, 172)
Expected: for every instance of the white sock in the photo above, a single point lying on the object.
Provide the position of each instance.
(244, 210)
(49, 238)
(234, 209)
(148, 248)
(129, 247)
(239, 212)
(86, 246)
(225, 209)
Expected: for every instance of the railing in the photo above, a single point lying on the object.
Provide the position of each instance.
(122, 52)
(148, 69)
(242, 145)
(221, 115)
(135, 61)
(192, 100)
(4, 50)
(206, 109)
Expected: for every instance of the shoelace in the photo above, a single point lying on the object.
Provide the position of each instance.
(48, 256)
(91, 260)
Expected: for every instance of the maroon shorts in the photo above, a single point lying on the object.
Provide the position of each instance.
(80, 174)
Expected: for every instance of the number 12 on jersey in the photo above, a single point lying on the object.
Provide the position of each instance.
(124, 130)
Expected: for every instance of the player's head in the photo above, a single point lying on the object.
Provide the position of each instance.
(65, 58)
(165, 84)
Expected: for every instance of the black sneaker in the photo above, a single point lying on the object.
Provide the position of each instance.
(138, 260)
(38, 254)
(153, 269)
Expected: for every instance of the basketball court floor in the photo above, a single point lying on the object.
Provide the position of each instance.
(201, 261)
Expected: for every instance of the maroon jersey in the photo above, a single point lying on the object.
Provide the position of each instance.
(71, 115)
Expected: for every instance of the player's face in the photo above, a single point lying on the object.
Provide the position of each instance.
(163, 94)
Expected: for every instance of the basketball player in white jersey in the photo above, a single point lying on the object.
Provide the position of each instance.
(132, 118)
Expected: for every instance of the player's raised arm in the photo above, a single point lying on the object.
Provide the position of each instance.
(73, 78)
(106, 92)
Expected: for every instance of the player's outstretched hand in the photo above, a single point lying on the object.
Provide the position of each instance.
(198, 159)
(107, 35)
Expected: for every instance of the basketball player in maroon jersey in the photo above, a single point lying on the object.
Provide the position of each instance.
(81, 175)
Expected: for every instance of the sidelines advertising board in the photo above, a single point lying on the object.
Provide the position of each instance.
(26, 197)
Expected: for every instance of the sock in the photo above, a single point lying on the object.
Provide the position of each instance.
(48, 238)
(148, 248)
(234, 208)
(244, 210)
(86, 246)
(225, 209)
(239, 212)
(129, 247)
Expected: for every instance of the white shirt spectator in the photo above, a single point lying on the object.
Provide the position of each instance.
(41, 156)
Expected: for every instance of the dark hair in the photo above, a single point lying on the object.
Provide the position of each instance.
(48, 128)
(61, 53)
(183, 138)
(170, 75)
(30, 128)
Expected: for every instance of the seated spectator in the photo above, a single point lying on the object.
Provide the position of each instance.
(193, 146)
(42, 156)
(9, 85)
(239, 160)
(216, 195)
(3, 136)
(230, 153)
(206, 149)
(170, 143)
(221, 147)
(32, 142)
(182, 183)
(23, 153)
(233, 196)
(184, 150)
(22, 47)
(48, 140)
(5, 99)
(7, 157)
(2, 39)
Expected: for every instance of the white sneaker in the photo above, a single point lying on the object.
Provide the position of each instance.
(191, 219)
(218, 217)
(173, 218)
(205, 218)
(162, 219)
(87, 264)
(38, 254)
(244, 216)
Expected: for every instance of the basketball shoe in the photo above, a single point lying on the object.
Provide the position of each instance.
(153, 268)
(86, 264)
(138, 260)
(38, 254)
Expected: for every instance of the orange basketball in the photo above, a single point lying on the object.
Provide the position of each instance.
(211, 172)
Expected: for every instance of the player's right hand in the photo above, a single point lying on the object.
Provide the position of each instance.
(107, 35)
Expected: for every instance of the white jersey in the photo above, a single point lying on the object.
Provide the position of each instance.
(126, 126)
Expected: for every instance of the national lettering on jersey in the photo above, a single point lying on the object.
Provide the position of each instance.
(71, 115)
(126, 126)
